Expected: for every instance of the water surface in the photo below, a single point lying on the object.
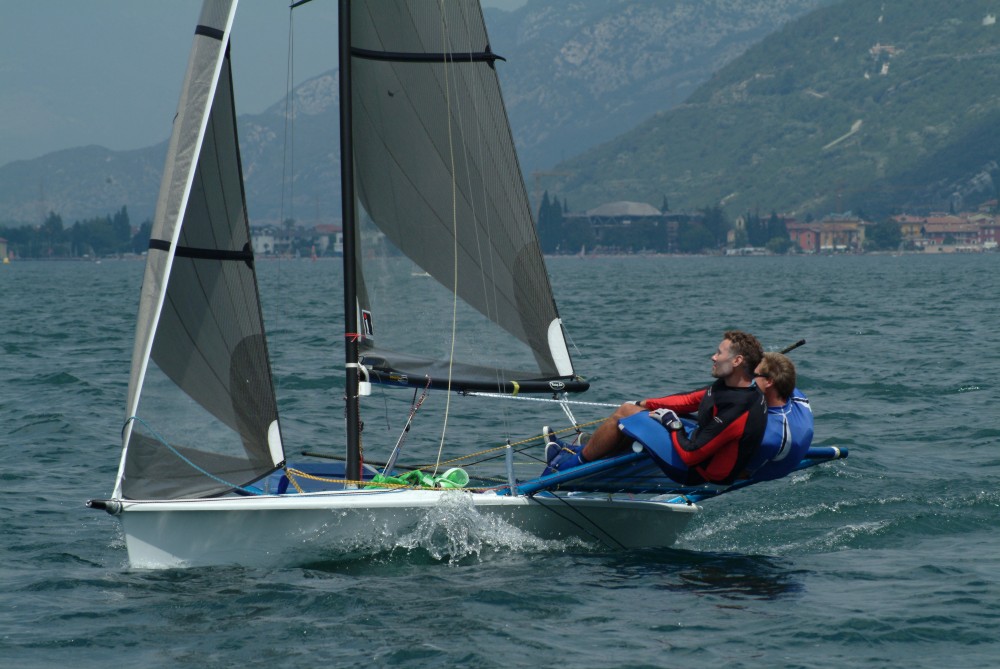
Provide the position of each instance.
(886, 559)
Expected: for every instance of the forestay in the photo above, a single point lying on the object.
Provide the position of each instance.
(200, 350)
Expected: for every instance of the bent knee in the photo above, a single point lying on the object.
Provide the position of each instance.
(628, 409)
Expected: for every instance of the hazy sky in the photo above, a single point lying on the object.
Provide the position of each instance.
(108, 72)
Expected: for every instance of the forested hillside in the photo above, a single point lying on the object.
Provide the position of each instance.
(868, 105)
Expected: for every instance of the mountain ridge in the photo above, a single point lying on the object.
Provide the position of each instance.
(856, 106)
(577, 73)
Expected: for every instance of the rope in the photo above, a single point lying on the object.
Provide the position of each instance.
(291, 479)
(292, 472)
(566, 410)
(487, 263)
(454, 220)
(487, 451)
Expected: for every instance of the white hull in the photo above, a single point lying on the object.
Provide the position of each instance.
(298, 529)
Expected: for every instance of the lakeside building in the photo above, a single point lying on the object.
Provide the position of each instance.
(329, 240)
(958, 233)
(270, 239)
(989, 234)
(637, 227)
(264, 240)
(835, 233)
(610, 220)
(971, 231)
(911, 228)
(625, 226)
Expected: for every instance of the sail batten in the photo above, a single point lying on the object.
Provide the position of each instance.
(245, 254)
(210, 31)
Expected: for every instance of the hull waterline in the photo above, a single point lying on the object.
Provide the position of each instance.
(270, 531)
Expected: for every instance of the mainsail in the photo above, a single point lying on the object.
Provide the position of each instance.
(437, 173)
(200, 345)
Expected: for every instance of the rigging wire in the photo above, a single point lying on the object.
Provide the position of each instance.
(577, 511)
(397, 449)
(473, 139)
(520, 398)
(491, 296)
(454, 216)
(249, 490)
(288, 149)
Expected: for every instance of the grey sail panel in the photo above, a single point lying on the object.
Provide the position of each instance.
(178, 477)
(436, 167)
(200, 322)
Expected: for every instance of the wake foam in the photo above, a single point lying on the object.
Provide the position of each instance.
(451, 531)
(455, 529)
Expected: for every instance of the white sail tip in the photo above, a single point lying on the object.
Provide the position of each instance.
(274, 443)
(558, 348)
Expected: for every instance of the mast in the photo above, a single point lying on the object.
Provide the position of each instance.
(353, 413)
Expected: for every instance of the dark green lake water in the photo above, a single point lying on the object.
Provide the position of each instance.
(889, 558)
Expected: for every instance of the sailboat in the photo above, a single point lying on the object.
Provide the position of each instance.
(428, 163)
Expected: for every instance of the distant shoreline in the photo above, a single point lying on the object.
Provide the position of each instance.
(937, 251)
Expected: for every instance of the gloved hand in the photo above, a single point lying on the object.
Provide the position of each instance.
(667, 419)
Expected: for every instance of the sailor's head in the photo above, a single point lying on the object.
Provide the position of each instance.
(776, 371)
(739, 352)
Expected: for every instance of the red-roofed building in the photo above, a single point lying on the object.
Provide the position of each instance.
(836, 233)
(989, 233)
(955, 231)
(950, 229)
(911, 228)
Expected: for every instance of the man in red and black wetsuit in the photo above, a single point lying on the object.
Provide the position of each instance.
(731, 414)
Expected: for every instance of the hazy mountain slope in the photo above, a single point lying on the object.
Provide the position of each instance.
(94, 181)
(866, 104)
(80, 183)
(578, 72)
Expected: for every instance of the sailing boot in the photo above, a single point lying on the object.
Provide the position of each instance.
(553, 444)
(560, 455)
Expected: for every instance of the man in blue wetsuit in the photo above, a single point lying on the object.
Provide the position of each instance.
(789, 429)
